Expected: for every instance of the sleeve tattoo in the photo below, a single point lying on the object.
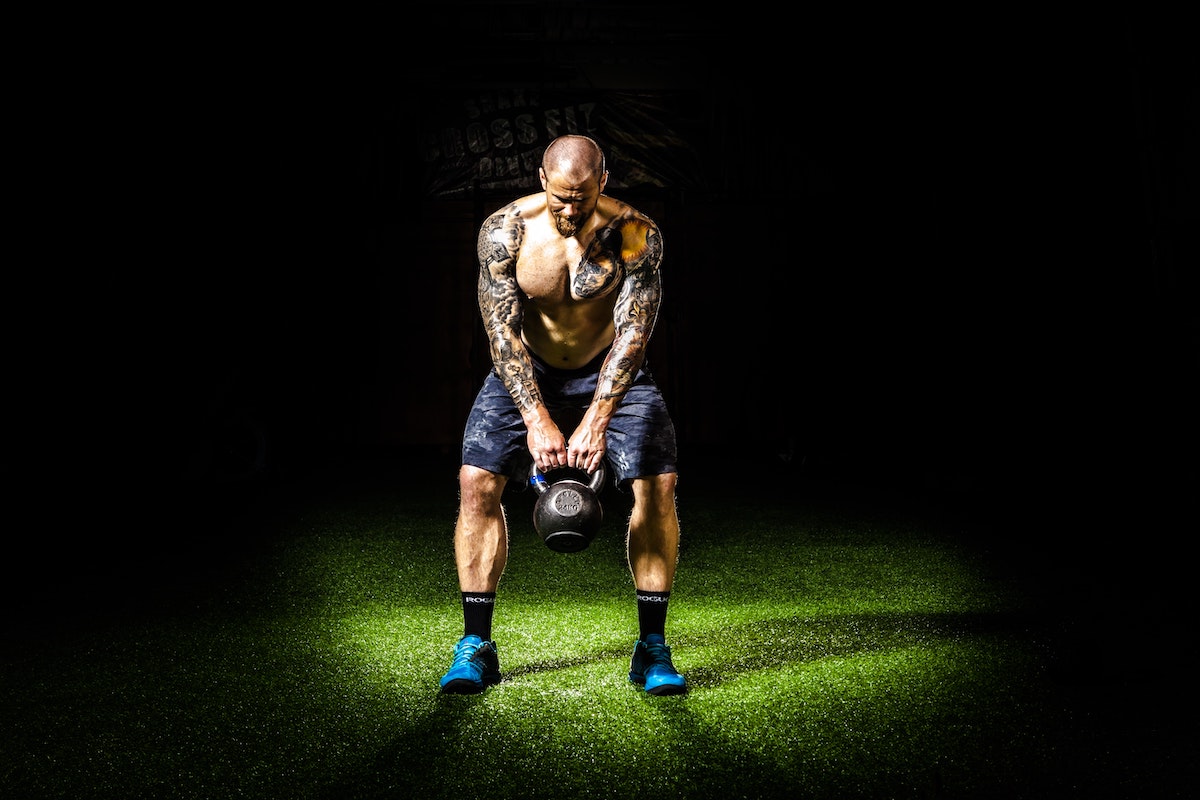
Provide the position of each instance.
(499, 243)
(637, 306)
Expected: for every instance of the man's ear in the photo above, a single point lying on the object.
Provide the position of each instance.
(542, 176)
(603, 180)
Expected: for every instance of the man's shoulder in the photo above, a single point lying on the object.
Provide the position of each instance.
(617, 211)
(527, 206)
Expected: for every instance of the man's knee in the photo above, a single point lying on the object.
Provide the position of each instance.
(654, 495)
(479, 490)
(662, 486)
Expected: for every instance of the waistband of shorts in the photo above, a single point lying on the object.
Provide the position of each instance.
(589, 368)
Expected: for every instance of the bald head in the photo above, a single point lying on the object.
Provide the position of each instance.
(573, 176)
(574, 158)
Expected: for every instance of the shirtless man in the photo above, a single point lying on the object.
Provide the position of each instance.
(569, 290)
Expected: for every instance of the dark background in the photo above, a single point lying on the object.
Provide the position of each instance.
(954, 249)
(942, 254)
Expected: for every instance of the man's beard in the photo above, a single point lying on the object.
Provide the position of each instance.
(566, 226)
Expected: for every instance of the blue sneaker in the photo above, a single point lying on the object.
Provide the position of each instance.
(476, 666)
(651, 666)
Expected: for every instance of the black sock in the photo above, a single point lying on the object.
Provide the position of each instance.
(477, 614)
(652, 612)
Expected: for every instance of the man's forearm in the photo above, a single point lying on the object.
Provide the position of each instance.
(515, 369)
(619, 368)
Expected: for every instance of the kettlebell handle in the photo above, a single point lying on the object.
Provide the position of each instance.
(537, 479)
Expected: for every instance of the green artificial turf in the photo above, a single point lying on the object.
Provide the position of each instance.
(833, 648)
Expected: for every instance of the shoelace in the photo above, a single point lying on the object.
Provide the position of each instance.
(465, 652)
(658, 654)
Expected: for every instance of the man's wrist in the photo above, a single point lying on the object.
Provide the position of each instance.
(535, 415)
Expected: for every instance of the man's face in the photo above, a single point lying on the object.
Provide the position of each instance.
(571, 203)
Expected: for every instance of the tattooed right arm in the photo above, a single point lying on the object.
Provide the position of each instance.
(500, 239)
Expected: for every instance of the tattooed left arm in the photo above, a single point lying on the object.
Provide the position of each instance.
(633, 316)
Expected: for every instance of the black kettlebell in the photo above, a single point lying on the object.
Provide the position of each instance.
(567, 514)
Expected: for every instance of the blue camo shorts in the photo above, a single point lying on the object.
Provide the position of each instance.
(641, 435)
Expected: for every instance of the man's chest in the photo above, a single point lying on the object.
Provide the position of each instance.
(557, 270)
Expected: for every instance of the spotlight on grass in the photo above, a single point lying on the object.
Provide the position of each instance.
(829, 654)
